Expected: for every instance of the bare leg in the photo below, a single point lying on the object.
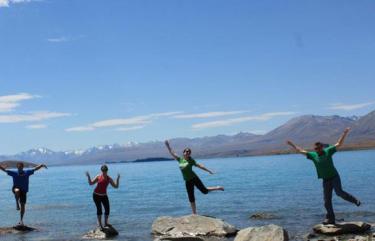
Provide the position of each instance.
(22, 212)
(218, 188)
(193, 208)
(100, 221)
(17, 197)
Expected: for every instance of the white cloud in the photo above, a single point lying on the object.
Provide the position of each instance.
(208, 114)
(349, 107)
(133, 128)
(122, 122)
(6, 3)
(10, 102)
(36, 126)
(230, 122)
(58, 39)
(32, 117)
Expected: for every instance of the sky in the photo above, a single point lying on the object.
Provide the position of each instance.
(76, 74)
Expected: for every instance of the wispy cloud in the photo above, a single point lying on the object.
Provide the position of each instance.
(58, 39)
(208, 114)
(6, 3)
(10, 102)
(31, 117)
(36, 126)
(349, 107)
(133, 128)
(122, 122)
(230, 122)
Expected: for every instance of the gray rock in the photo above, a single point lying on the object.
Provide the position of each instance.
(342, 228)
(264, 233)
(104, 233)
(16, 229)
(263, 216)
(191, 228)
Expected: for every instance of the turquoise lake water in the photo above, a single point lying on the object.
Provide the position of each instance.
(60, 200)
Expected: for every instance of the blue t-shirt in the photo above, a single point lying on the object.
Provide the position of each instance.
(21, 180)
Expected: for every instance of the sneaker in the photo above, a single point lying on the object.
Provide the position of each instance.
(328, 221)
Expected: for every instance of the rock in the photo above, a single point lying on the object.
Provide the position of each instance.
(16, 229)
(191, 228)
(342, 228)
(264, 233)
(106, 232)
(261, 216)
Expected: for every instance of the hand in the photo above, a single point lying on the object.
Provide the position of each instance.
(289, 142)
(43, 165)
(347, 129)
(118, 176)
(87, 174)
(211, 173)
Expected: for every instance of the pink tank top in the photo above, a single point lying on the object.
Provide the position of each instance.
(101, 187)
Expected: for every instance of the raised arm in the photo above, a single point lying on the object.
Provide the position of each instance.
(173, 154)
(115, 184)
(297, 148)
(91, 182)
(201, 166)
(342, 138)
(39, 167)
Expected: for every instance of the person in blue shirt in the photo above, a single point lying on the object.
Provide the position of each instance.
(21, 185)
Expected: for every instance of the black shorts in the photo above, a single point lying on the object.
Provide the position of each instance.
(190, 188)
(22, 195)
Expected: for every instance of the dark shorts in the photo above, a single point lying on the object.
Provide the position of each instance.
(190, 188)
(22, 195)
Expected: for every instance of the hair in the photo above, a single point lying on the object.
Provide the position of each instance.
(318, 143)
(104, 168)
(20, 164)
(187, 150)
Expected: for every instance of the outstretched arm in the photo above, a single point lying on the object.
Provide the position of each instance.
(115, 184)
(91, 182)
(39, 167)
(297, 148)
(342, 138)
(204, 168)
(170, 150)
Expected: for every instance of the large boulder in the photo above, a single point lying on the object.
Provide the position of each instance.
(16, 229)
(342, 228)
(191, 228)
(264, 233)
(98, 233)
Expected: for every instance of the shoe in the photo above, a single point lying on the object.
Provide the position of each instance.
(328, 221)
(358, 203)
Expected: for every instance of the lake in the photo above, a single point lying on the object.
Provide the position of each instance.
(60, 199)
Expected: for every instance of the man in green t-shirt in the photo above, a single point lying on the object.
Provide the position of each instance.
(322, 159)
(186, 164)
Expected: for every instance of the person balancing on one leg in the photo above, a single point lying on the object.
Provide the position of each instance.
(322, 158)
(186, 164)
(21, 185)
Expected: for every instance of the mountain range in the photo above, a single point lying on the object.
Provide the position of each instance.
(303, 130)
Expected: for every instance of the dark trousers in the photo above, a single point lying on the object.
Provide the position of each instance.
(99, 200)
(328, 186)
(190, 188)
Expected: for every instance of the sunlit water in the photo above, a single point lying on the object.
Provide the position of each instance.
(60, 200)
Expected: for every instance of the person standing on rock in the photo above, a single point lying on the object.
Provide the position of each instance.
(21, 185)
(186, 164)
(100, 194)
(322, 158)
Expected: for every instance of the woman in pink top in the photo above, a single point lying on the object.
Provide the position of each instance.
(100, 193)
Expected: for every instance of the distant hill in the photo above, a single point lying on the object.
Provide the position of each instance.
(304, 130)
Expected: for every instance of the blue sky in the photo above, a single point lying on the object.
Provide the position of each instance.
(76, 74)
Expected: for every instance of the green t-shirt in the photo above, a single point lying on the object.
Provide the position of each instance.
(324, 163)
(186, 167)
